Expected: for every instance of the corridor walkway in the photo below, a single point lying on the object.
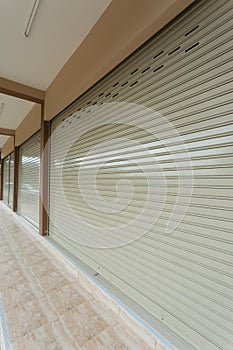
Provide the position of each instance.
(44, 304)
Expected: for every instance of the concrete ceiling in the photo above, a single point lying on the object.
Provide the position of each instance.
(3, 139)
(13, 112)
(58, 29)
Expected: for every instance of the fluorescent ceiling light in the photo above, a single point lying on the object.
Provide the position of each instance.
(31, 18)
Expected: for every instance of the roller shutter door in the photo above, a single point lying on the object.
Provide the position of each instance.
(11, 178)
(29, 178)
(181, 275)
(6, 179)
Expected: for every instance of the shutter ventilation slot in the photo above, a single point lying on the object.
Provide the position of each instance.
(134, 71)
(191, 47)
(134, 83)
(192, 30)
(145, 70)
(160, 67)
(159, 54)
(173, 51)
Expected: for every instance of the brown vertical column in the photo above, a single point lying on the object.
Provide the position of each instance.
(44, 174)
(2, 174)
(16, 174)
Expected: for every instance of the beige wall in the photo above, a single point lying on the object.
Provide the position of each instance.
(8, 147)
(29, 125)
(123, 27)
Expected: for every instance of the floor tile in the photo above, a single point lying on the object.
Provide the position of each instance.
(47, 306)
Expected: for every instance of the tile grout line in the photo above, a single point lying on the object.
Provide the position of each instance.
(5, 340)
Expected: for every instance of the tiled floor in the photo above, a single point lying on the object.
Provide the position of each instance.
(46, 307)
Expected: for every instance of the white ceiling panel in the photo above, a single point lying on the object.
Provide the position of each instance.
(13, 112)
(59, 28)
(3, 139)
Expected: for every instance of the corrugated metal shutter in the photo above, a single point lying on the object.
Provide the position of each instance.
(6, 179)
(29, 178)
(185, 73)
(11, 178)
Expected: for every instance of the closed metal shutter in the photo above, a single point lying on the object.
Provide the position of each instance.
(11, 178)
(6, 179)
(29, 179)
(183, 276)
